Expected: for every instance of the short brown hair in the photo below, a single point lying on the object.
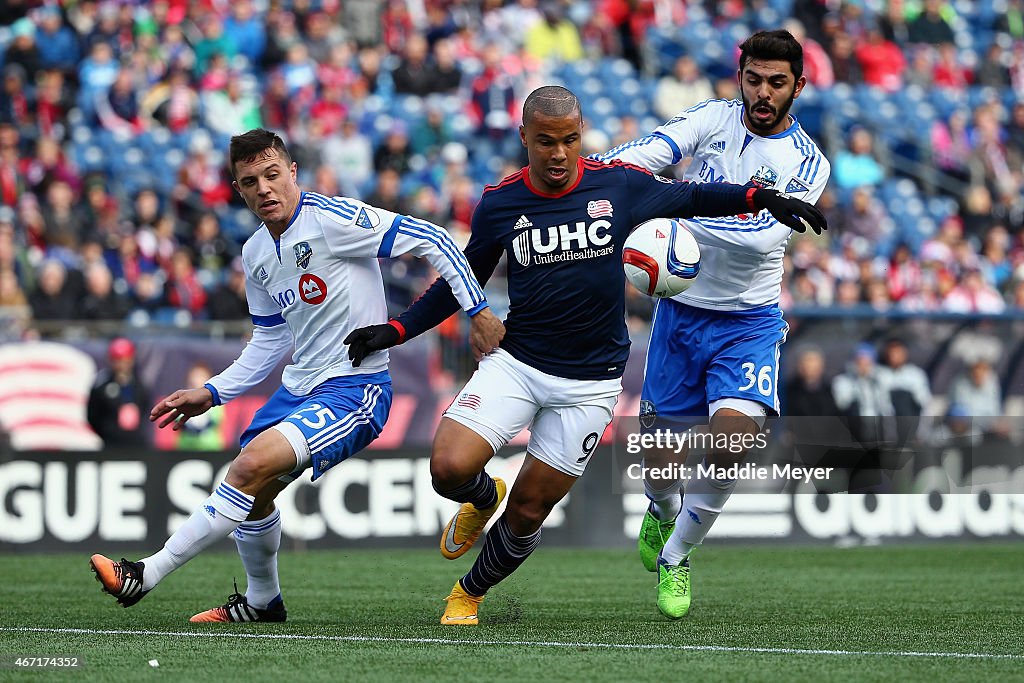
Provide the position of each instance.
(248, 146)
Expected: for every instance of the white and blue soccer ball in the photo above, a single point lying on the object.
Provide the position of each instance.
(661, 258)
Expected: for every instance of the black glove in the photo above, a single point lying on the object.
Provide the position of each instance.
(366, 340)
(790, 210)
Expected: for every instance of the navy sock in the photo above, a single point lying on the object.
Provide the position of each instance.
(480, 491)
(501, 555)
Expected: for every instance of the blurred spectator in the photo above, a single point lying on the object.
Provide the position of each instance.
(173, 103)
(23, 50)
(909, 388)
(54, 298)
(118, 108)
(681, 90)
(227, 302)
(321, 33)
(866, 217)
(976, 394)
(992, 72)
(949, 70)
(894, 24)
(974, 295)
(11, 293)
(817, 64)
(432, 133)
(246, 31)
(845, 64)
(930, 26)
(861, 394)
(64, 225)
(951, 149)
(554, 37)
(976, 211)
(394, 152)
(386, 193)
(881, 61)
(857, 166)
(212, 249)
(995, 263)
(183, 289)
(231, 110)
(350, 156)
(808, 393)
(904, 275)
(414, 76)
(214, 41)
(101, 302)
(57, 43)
(329, 110)
(119, 403)
(447, 74)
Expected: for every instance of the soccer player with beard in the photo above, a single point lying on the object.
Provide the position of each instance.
(561, 221)
(714, 349)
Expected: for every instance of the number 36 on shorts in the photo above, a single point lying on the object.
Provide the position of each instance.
(763, 379)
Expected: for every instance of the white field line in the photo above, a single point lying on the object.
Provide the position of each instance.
(514, 643)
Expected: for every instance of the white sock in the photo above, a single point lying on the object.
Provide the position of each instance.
(702, 505)
(216, 518)
(258, 542)
(665, 499)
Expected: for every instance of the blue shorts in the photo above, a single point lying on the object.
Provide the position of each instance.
(339, 418)
(698, 356)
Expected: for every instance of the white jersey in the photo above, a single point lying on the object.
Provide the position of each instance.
(741, 257)
(321, 281)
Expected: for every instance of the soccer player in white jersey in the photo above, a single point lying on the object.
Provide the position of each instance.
(312, 276)
(714, 349)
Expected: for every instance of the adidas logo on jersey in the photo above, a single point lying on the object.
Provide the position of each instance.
(262, 275)
(718, 146)
(523, 223)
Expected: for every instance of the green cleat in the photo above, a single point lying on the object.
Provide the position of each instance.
(674, 589)
(653, 534)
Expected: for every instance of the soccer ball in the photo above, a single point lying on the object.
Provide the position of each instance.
(661, 258)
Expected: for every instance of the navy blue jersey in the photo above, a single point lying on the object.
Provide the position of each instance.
(565, 279)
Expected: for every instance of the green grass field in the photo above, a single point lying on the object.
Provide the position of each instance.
(566, 615)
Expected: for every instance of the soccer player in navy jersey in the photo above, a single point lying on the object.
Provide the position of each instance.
(562, 222)
(312, 275)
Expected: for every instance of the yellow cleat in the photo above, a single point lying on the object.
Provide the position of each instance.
(462, 607)
(465, 527)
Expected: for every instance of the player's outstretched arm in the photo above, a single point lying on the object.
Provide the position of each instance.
(485, 334)
(180, 406)
(790, 211)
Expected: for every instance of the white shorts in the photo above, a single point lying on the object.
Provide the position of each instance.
(566, 416)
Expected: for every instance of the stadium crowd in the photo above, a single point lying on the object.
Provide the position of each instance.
(114, 117)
